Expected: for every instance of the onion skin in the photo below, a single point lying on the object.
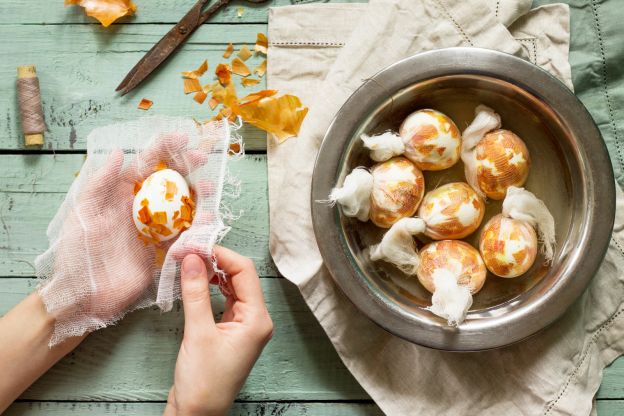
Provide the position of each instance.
(508, 246)
(456, 256)
(452, 211)
(502, 161)
(398, 189)
(432, 140)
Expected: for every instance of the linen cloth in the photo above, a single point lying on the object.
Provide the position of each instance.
(322, 53)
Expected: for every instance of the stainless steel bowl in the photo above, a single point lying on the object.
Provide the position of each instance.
(571, 172)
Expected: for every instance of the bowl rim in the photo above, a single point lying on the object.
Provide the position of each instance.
(497, 331)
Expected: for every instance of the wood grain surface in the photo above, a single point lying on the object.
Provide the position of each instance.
(127, 369)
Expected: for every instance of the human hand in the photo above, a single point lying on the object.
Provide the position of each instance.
(99, 267)
(216, 358)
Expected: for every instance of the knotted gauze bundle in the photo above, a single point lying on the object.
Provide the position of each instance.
(450, 269)
(96, 268)
(485, 121)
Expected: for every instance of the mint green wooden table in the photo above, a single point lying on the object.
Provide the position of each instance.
(127, 369)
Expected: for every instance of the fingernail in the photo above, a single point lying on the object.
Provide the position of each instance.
(192, 266)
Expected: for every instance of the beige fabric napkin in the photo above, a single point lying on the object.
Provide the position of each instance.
(322, 53)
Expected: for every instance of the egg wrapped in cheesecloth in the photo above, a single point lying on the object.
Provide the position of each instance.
(451, 270)
(509, 242)
(429, 138)
(390, 191)
(494, 158)
(163, 206)
(452, 211)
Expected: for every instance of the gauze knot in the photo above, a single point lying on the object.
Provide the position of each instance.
(523, 205)
(397, 245)
(484, 122)
(354, 194)
(450, 300)
(383, 146)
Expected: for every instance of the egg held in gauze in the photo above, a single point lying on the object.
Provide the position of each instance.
(509, 243)
(494, 158)
(130, 212)
(163, 206)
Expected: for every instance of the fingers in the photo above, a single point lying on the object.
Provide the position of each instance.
(195, 293)
(204, 189)
(165, 148)
(106, 178)
(173, 150)
(194, 159)
(243, 276)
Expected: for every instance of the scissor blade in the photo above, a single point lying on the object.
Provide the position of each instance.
(148, 63)
(161, 50)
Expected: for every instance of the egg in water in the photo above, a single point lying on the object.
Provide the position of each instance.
(502, 160)
(398, 188)
(456, 257)
(163, 206)
(432, 140)
(452, 211)
(508, 246)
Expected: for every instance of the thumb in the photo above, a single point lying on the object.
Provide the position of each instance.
(195, 293)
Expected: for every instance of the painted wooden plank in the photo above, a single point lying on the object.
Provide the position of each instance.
(239, 409)
(612, 386)
(32, 188)
(79, 67)
(149, 11)
(604, 407)
(134, 360)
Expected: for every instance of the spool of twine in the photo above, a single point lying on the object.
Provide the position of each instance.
(30, 108)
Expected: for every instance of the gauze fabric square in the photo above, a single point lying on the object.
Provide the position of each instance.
(322, 53)
(96, 268)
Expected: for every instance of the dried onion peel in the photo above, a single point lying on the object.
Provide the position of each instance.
(145, 104)
(106, 11)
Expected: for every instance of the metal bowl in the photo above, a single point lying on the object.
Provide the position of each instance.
(571, 172)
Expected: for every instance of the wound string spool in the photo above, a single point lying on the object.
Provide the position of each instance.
(30, 108)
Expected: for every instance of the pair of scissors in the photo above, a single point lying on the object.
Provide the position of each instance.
(170, 42)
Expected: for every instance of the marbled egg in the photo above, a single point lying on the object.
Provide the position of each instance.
(456, 256)
(398, 188)
(163, 207)
(432, 140)
(451, 211)
(502, 160)
(508, 246)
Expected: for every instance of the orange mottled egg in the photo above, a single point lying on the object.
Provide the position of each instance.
(161, 207)
(398, 188)
(432, 140)
(508, 246)
(458, 257)
(451, 211)
(502, 160)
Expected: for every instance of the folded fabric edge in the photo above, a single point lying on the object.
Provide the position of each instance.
(299, 27)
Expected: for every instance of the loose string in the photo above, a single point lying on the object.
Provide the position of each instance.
(30, 108)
